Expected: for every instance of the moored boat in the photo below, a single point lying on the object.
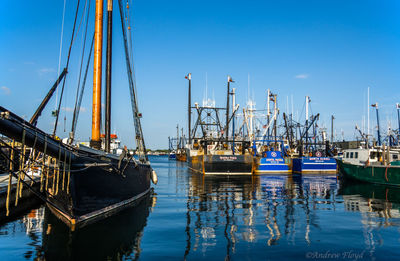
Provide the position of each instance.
(372, 165)
(313, 157)
(272, 162)
(222, 164)
(209, 148)
(82, 184)
(314, 165)
(172, 155)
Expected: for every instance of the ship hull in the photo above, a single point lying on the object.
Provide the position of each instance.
(314, 165)
(97, 192)
(387, 175)
(272, 167)
(181, 157)
(222, 164)
(272, 162)
(81, 184)
(105, 240)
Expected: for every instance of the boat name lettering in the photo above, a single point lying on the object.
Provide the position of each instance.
(228, 158)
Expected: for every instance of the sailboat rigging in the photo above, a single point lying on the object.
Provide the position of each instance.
(80, 183)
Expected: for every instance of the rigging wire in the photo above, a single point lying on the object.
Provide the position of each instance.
(130, 43)
(78, 107)
(136, 117)
(68, 58)
(59, 55)
(74, 119)
(82, 19)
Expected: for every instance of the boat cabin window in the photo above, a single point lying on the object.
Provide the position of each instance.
(347, 154)
(351, 155)
(395, 156)
(356, 154)
(375, 155)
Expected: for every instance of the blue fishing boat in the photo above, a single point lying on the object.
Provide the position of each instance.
(272, 162)
(172, 156)
(314, 155)
(314, 164)
(171, 148)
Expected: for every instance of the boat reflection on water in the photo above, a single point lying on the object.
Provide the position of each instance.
(115, 238)
(379, 204)
(379, 207)
(244, 210)
(218, 204)
(293, 202)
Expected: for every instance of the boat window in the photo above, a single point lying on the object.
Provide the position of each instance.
(351, 155)
(356, 154)
(395, 157)
(372, 155)
(347, 154)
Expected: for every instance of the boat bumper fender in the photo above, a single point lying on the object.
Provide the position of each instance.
(154, 177)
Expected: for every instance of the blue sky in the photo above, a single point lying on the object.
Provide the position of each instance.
(329, 50)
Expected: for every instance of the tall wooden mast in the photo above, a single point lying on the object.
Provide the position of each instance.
(98, 49)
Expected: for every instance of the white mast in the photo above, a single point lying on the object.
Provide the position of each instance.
(268, 111)
(368, 113)
(248, 86)
(291, 97)
(307, 108)
(287, 104)
(206, 88)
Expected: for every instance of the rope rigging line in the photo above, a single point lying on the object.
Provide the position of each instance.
(50, 167)
(45, 139)
(82, 20)
(59, 55)
(68, 59)
(78, 106)
(138, 128)
(18, 177)
(74, 119)
(84, 33)
(130, 44)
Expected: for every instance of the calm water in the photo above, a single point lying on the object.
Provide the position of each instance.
(192, 217)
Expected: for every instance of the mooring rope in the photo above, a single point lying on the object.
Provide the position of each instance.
(12, 161)
(22, 159)
(43, 164)
(11, 169)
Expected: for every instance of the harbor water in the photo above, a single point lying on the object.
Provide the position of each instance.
(194, 217)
